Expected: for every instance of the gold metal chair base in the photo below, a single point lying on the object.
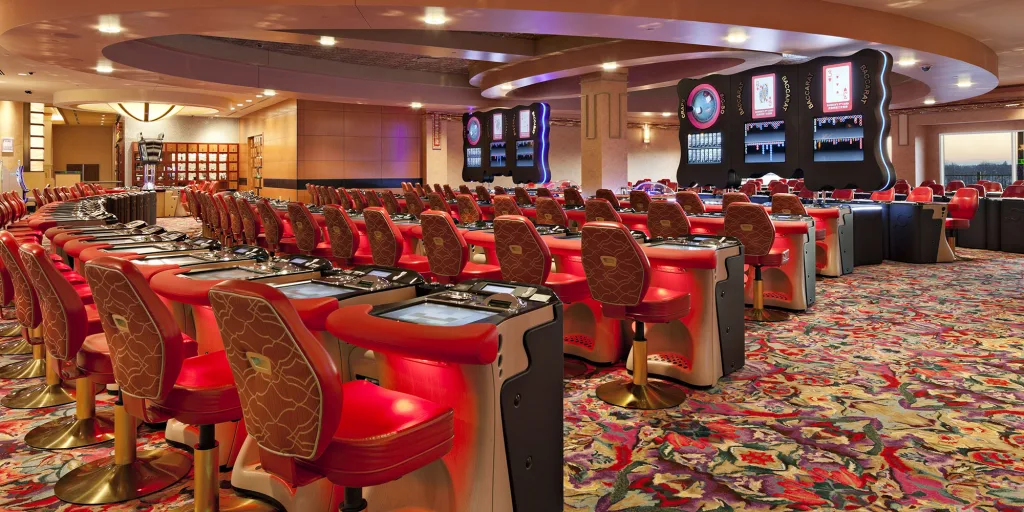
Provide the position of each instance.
(71, 432)
(765, 315)
(27, 369)
(572, 368)
(207, 487)
(13, 329)
(37, 397)
(104, 481)
(648, 397)
(18, 347)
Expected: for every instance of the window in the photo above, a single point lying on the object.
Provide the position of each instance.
(970, 157)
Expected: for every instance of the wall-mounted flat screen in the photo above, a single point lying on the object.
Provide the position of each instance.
(839, 139)
(704, 148)
(764, 142)
(524, 153)
(763, 96)
(498, 154)
(513, 142)
(837, 86)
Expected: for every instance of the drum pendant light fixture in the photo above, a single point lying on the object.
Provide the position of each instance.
(146, 112)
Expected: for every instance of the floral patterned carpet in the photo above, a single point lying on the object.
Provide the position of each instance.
(902, 389)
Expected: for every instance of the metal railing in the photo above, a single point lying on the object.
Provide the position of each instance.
(1004, 179)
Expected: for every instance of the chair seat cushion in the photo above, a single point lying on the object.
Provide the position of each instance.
(204, 393)
(819, 234)
(957, 223)
(480, 271)
(775, 258)
(93, 359)
(659, 305)
(569, 287)
(383, 435)
(415, 262)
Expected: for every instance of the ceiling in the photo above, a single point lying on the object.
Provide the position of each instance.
(73, 117)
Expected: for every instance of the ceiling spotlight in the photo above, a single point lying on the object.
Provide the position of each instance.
(110, 29)
(736, 36)
(506, 87)
(104, 67)
(964, 82)
(109, 25)
(666, 114)
(610, 66)
(238, 105)
(929, 101)
(22, 74)
(248, 101)
(647, 114)
(269, 92)
(416, 104)
(259, 95)
(435, 16)
(327, 41)
(232, 108)
(906, 61)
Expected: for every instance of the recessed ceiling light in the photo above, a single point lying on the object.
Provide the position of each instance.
(238, 105)
(929, 101)
(110, 28)
(416, 104)
(964, 83)
(22, 74)
(736, 36)
(248, 101)
(666, 114)
(647, 114)
(327, 41)
(906, 61)
(259, 95)
(269, 92)
(1013, 105)
(232, 108)
(104, 67)
(506, 87)
(435, 16)
(610, 66)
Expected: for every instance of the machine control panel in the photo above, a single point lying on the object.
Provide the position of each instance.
(363, 279)
(697, 242)
(473, 301)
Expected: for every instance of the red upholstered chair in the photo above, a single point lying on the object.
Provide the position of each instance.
(387, 243)
(522, 197)
(224, 216)
(921, 194)
(308, 235)
(469, 211)
(927, 183)
(235, 218)
(48, 193)
(436, 202)
(902, 188)
(750, 224)
(72, 336)
(600, 210)
(505, 205)
(1018, 183)
(666, 219)
(419, 190)
(609, 196)
(26, 309)
(355, 434)
(390, 202)
(525, 258)
(955, 185)
(449, 194)
(550, 213)
(886, 196)
(344, 200)
(843, 194)
(1014, 191)
(448, 252)
(779, 187)
(373, 199)
(499, 190)
(619, 275)
(980, 188)
(252, 227)
(358, 200)
(639, 200)
(961, 211)
(573, 197)
(213, 216)
(344, 238)
(690, 201)
(750, 188)
(39, 198)
(993, 186)
(733, 197)
(414, 205)
(272, 227)
(937, 189)
(544, 192)
(464, 189)
(482, 194)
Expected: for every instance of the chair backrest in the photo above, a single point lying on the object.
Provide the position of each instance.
(1014, 191)
(982, 192)
(464, 189)
(275, 360)
(843, 194)
(750, 224)
(666, 219)
(733, 197)
(922, 194)
(418, 189)
(750, 188)
(146, 346)
(447, 251)
(271, 225)
(788, 204)
(522, 253)
(48, 194)
(926, 183)
(469, 211)
(618, 272)
(1018, 183)
(438, 190)
(223, 216)
(937, 189)
(26, 304)
(234, 216)
(779, 187)
(449, 194)
(607, 195)
(993, 186)
(251, 224)
(390, 202)
(436, 202)
(505, 205)
(305, 227)
(39, 198)
(373, 199)
(550, 213)
(482, 194)
(600, 210)
(64, 322)
(499, 190)
(342, 232)
(690, 201)
(358, 200)
(955, 185)
(344, 199)
(414, 205)
(902, 188)
(522, 197)
(639, 200)
(964, 204)
(337, 198)
(573, 197)
(211, 212)
(544, 192)
(384, 237)
(884, 195)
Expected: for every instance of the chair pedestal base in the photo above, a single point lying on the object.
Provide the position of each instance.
(13, 329)
(27, 369)
(640, 393)
(49, 394)
(572, 367)
(207, 480)
(758, 313)
(85, 428)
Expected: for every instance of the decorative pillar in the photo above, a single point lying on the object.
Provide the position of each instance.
(604, 145)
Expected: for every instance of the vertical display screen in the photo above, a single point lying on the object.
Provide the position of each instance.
(764, 142)
(763, 94)
(524, 124)
(704, 148)
(524, 153)
(498, 126)
(474, 157)
(837, 80)
(839, 139)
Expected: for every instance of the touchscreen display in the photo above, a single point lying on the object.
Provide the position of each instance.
(379, 273)
(145, 249)
(172, 260)
(223, 273)
(313, 290)
(432, 313)
(493, 288)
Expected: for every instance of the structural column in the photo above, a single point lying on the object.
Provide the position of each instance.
(604, 144)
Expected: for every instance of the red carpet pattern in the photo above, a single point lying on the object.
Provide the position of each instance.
(902, 389)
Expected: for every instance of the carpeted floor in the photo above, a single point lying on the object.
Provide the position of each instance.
(902, 389)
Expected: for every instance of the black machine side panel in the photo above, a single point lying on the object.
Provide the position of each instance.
(847, 238)
(531, 415)
(994, 222)
(913, 234)
(974, 236)
(810, 268)
(729, 303)
(870, 235)
(1011, 238)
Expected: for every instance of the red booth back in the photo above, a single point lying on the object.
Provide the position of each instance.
(690, 201)
(522, 197)
(305, 227)
(505, 205)
(447, 251)
(750, 224)
(609, 196)
(385, 239)
(271, 224)
(618, 271)
(251, 225)
(342, 232)
(390, 202)
(599, 209)
(666, 219)
(964, 204)
(436, 202)
(573, 197)
(788, 204)
(414, 205)
(482, 194)
(733, 197)
(469, 211)
(522, 253)
(550, 213)
(639, 200)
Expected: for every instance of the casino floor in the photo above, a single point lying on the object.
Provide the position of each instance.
(900, 390)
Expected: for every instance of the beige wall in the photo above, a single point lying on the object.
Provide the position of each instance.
(12, 124)
(279, 126)
(84, 145)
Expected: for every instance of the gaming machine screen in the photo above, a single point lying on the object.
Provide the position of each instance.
(313, 290)
(839, 139)
(223, 273)
(764, 142)
(432, 313)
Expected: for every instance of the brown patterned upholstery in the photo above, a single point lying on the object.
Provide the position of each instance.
(522, 253)
(63, 318)
(235, 216)
(464, 189)
(373, 199)
(146, 346)
(609, 196)
(690, 201)
(750, 188)
(438, 190)
(342, 232)
(499, 191)
(750, 224)
(222, 213)
(618, 271)
(251, 224)
(271, 225)
(342, 198)
(26, 305)
(573, 197)
(550, 213)
(213, 216)
(482, 194)
(436, 202)
(469, 211)
(733, 197)
(544, 192)
(600, 210)
(358, 200)
(385, 239)
(446, 249)
(522, 197)
(788, 204)
(666, 219)
(305, 227)
(639, 200)
(778, 187)
(505, 205)
(414, 205)
(449, 194)
(390, 202)
(283, 375)
(419, 191)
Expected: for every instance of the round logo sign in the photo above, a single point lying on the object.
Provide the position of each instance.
(473, 131)
(704, 104)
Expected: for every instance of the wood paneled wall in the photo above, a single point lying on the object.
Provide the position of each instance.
(279, 126)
